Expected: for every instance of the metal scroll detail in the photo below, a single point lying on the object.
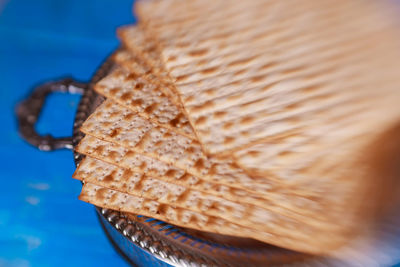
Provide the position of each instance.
(28, 112)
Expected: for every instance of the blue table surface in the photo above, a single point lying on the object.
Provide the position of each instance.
(42, 223)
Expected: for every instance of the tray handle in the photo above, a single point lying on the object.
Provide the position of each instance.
(28, 112)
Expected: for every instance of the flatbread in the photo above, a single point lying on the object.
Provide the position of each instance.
(114, 123)
(146, 57)
(292, 202)
(267, 71)
(136, 91)
(108, 198)
(322, 201)
(148, 186)
(126, 158)
(253, 97)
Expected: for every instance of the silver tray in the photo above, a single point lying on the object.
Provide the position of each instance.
(145, 241)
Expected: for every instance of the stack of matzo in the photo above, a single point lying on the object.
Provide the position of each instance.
(258, 119)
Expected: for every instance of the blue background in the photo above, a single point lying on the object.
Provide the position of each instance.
(42, 223)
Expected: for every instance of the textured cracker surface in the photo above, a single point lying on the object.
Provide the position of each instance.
(144, 185)
(144, 52)
(304, 203)
(293, 202)
(251, 117)
(115, 123)
(275, 72)
(307, 203)
(127, 158)
(112, 199)
(135, 91)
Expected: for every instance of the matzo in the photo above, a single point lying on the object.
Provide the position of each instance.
(142, 49)
(144, 185)
(293, 202)
(131, 62)
(136, 92)
(288, 93)
(115, 123)
(146, 57)
(308, 199)
(327, 36)
(108, 198)
(126, 158)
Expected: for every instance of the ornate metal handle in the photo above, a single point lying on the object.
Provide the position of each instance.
(28, 112)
